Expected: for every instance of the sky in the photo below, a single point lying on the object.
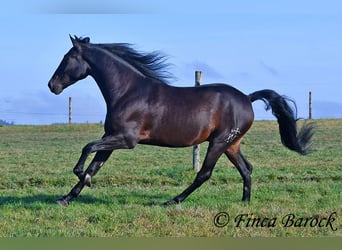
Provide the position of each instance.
(292, 47)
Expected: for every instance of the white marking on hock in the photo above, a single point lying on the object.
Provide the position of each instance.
(87, 180)
(232, 135)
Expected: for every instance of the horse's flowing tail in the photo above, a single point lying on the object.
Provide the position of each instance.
(296, 141)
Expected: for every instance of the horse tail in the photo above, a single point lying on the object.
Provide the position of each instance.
(299, 142)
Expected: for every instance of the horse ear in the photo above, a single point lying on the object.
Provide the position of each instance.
(75, 42)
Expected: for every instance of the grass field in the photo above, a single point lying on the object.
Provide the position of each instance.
(36, 167)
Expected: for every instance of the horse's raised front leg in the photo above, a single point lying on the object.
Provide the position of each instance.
(104, 148)
(98, 161)
(87, 150)
(100, 158)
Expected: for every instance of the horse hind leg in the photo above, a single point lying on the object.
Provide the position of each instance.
(213, 154)
(243, 166)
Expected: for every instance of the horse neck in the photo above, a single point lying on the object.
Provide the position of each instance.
(108, 72)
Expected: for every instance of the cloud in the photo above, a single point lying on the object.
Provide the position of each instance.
(271, 70)
(45, 108)
(93, 7)
(30, 108)
(208, 71)
(326, 109)
(241, 76)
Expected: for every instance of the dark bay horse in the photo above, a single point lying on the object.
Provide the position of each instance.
(143, 108)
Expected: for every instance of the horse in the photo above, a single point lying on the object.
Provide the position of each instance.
(143, 108)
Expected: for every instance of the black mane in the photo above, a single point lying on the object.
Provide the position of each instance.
(152, 65)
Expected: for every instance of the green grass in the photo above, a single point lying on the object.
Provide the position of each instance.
(36, 167)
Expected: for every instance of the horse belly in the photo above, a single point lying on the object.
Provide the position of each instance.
(177, 132)
(173, 140)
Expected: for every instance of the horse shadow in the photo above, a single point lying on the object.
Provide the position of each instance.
(33, 200)
(121, 199)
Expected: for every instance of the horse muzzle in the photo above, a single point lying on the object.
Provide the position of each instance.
(55, 88)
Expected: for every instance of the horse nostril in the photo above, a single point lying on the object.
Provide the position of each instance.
(55, 88)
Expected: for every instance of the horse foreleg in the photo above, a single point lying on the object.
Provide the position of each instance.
(87, 150)
(213, 154)
(75, 191)
(104, 148)
(98, 161)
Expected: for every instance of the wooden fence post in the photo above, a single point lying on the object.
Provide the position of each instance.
(310, 105)
(196, 148)
(70, 110)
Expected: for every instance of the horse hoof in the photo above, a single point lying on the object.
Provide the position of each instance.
(87, 180)
(63, 202)
(170, 203)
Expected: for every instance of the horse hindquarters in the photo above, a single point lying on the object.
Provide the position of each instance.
(233, 124)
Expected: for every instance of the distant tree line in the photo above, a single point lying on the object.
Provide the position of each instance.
(6, 123)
